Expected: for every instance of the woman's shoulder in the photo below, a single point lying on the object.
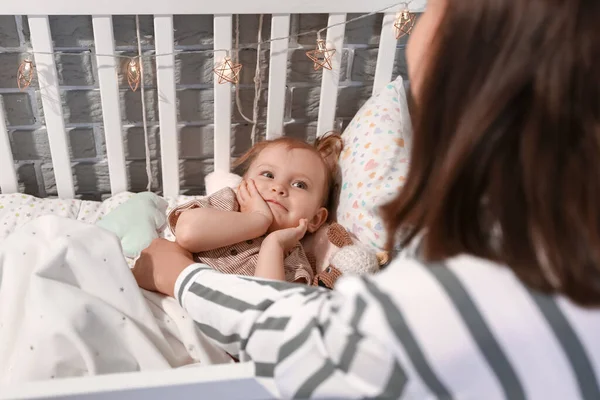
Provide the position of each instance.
(413, 285)
(472, 315)
(413, 269)
(470, 299)
(451, 283)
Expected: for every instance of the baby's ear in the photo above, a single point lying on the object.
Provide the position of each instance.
(320, 217)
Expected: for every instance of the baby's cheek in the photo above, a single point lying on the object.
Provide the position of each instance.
(304, 211)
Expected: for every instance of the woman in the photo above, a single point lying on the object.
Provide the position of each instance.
(504, 181)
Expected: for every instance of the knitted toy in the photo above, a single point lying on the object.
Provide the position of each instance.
(136, 222)
(348, 257)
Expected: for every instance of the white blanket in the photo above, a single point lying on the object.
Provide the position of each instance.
(69, 306)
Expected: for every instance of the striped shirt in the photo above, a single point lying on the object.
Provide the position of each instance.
(241, 258)
(464, 329)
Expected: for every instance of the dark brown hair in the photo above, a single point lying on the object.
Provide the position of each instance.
(328, 148)
(506, 150)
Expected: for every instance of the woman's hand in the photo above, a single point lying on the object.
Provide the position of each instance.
(252, 202)
(159, 266)
(288, 238)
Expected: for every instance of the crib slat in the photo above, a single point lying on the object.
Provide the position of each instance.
(109, 94)
(331, 78)
(8, 175)
(41, 41)
(280, 27)
(222, 95)
(167, 104)
(386, 53)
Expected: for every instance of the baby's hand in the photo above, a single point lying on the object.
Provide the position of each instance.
(288, 238)
(251, 201)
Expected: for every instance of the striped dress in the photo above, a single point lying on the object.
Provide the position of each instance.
(464, 329)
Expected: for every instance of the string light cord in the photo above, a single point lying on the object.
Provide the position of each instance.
(144, 118)
(318, 32)
(257, 84)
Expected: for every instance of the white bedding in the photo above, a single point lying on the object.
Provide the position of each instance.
(69, 305)
(17, 209)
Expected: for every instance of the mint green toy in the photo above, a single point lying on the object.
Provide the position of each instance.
(136, 222)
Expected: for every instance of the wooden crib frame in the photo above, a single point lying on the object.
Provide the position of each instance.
(213, 382)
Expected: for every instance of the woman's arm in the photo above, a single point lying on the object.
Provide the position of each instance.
(446, 330)
(306, 338)
(313, 342)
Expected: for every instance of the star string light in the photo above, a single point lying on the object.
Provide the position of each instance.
(228, 71)
(25, 74)
(321, 56)
(133, 74)
(404, 23)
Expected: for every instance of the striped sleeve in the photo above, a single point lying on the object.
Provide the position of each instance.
(314, 342)
(465, 328)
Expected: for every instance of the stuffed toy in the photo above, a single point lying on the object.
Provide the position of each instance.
(346, 257)
(136, 222)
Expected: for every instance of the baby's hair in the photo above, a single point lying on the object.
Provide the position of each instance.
(328, 147)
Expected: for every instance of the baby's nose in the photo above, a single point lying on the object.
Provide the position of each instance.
(278, 188)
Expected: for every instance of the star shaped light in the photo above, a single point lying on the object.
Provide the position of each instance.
(228, 71)
(321, 56)
(25, 74)
(133, 74)
(404, 23)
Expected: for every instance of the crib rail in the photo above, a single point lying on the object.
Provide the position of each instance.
(159, 7)
(163, 12)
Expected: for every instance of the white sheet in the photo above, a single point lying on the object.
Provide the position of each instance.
(69, 306)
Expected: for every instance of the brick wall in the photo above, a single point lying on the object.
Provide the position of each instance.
(194, 79)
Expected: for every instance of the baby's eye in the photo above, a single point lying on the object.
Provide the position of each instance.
(300, 185)
(268, 174)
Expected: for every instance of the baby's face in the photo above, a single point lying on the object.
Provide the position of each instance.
(292, 182)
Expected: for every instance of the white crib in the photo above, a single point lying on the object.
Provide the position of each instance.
(214, 382)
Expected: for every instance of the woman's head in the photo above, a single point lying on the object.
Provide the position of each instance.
(506, 150)
(294, 177)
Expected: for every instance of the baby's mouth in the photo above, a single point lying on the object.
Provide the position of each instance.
(276, 203)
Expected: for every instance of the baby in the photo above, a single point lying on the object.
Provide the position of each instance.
(284, 193)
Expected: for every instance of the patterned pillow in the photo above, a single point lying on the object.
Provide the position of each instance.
(374, 162)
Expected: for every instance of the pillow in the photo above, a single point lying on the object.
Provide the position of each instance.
(136, 222)
(217, 180)
(374, 162)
